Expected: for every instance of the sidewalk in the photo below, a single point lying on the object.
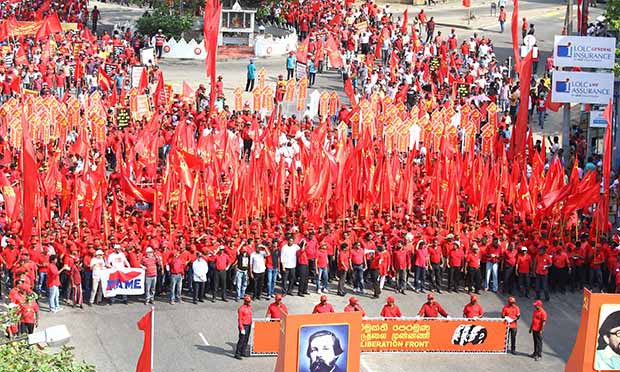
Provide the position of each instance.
(453, 14)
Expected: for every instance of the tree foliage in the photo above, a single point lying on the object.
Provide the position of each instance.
(19, 357)
(172, 25)
(612, 14)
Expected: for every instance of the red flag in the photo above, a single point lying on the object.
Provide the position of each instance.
(147, 325)
(30, 173)
(213, 10)
(515, 34)
(54, 23)
(159, 90)
(348, 90)
(20, 56)
(403, 27)
(8, 192)
(43, 32)
(550, 105)
(87, 35)
(466, 3)
(517, 148)
(187, 90)
(302, 51)
(16, 85)
(104, 81)
(144, 81)
(4, 31)
(335, 59)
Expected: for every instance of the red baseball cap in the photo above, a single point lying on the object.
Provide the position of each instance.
(247, 298)
(390, 299)
(323, 298)
(538, 303)
(353, 300)
(473, 298)
(511, 300)
(278, 296)
(430, 296)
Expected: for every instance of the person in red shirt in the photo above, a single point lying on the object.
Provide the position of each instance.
(431, 308)
(323, 306)
(577, 258)
(472, 266)
(509, 262)
(358, 260)
(321, 269)
(390, 309)
(597, 259)
(149, 264)
(455, 266)
(344, 266)
(177, 270)
(244, 324)
(29, 317)
(511, 314)
(473, 310)
(276, 308)
(559, 270)
(537, 328)
(75, 276)
(436, 260)
(524, 267)
(222, 263)
(401, 262)
(53, 284)
(354, 306)
(542, 262)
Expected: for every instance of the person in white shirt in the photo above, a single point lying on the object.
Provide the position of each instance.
(200, 268)
(117, 260)
(97, 265)
(288, 258)
(258, 268)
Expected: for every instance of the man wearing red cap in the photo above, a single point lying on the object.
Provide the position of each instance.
(244, 322)
(537, 328)
(323, 306)
(390, 309)
(276, 308)
(473, 310)
(511, 314)
(354, 306)
(432, 309)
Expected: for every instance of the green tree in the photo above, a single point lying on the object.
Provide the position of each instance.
(172, 25)
(19, 357)
(612, 14)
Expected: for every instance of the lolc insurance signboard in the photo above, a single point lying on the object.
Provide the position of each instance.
(584, 51)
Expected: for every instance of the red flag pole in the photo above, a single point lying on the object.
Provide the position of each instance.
(152, 338)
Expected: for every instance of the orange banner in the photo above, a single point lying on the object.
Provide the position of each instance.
(409, 335)
(25, 28)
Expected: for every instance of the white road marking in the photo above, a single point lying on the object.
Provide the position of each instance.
(203, 338)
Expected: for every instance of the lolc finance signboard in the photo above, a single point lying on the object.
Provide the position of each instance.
(582, 87)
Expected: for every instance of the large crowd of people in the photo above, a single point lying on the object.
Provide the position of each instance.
(233, 203)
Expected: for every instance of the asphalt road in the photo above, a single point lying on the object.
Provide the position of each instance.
(202, 337)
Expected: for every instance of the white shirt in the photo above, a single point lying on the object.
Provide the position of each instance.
(118, 260)
(200, 269)
(97, 265)
(257, 262)
(288, 256)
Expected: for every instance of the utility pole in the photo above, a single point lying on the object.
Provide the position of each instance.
(566, 119)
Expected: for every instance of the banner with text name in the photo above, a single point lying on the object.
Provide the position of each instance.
(125, 281)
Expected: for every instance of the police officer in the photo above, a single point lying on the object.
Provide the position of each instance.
(244, 323)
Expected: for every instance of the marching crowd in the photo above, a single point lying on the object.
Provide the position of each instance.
(171, 191)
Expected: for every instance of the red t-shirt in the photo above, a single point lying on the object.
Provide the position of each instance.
(473, 311)
(274, 311)
(391, 311)
(53, 277)
(513, 312)
(357, 256)
(541, 264)
(321, 259)
(538, 317)
(473, 260)
(323, 308)
(28, 312)
(455, 258)
(524, 263)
